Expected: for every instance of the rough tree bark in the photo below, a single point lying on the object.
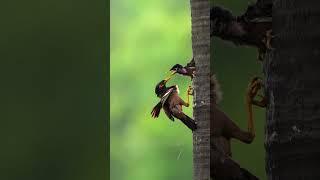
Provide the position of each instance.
(200, 15)
(292, 80)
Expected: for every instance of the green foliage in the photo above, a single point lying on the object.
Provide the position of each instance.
(53, 74)
(147, 38)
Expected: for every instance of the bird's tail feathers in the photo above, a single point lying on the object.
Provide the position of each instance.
(189, 122)
(156, 110)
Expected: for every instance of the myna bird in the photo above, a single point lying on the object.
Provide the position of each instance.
(183, 70)
(188, 70)
(253, 28)
(172, 103)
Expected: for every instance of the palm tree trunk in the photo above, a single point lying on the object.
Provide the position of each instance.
(200, 14)
(292, 80)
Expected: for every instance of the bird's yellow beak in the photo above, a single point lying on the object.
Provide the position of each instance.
(173, 72)
(170, 76)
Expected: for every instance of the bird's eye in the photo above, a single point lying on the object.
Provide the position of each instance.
(161, 85)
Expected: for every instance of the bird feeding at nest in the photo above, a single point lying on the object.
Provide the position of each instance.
(188, 70)
(172, 104)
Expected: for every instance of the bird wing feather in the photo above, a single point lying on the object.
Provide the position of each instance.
(168, 113)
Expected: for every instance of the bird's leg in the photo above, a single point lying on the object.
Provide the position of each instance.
(189, 92)
(254, 86)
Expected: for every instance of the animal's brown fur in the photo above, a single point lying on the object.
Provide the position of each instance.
(216, 94)
(222, 127)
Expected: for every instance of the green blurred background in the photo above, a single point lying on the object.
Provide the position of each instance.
(53, 74)
(147, 38)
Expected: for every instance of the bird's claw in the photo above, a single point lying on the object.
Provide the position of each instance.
(190, 90)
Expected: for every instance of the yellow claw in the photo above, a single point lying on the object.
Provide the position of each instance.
(188, 100)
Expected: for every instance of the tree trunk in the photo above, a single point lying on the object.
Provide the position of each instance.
(292, 81)
(200, 14)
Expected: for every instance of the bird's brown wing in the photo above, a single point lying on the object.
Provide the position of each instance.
(168, 112)
(156, 110)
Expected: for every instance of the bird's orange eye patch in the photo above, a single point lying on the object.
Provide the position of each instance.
(161, 85)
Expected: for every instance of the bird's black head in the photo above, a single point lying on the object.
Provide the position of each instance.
(176, 67)
(161, 88)
(179, 69)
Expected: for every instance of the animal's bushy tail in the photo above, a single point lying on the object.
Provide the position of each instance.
(246, 175)
(223, 167)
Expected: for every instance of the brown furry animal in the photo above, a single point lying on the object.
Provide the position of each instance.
(253, 28)
(222, 129)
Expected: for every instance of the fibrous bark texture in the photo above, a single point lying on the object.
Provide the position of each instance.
(292, 81)
(200, 14)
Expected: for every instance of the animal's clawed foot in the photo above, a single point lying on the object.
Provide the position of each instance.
(254, 86)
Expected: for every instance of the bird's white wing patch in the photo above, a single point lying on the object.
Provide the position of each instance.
(165, 96)
(178, 91)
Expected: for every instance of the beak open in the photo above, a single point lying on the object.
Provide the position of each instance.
(170, 76)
